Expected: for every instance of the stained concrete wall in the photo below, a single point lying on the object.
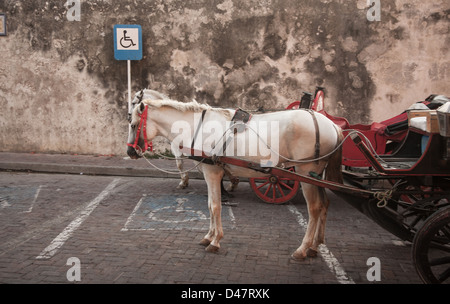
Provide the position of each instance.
(61, 90)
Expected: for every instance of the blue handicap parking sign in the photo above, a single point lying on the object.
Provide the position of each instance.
(127, 42)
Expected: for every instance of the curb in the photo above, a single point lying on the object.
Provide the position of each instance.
(90, 170)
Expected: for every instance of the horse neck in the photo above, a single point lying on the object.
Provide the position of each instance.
(165, 117)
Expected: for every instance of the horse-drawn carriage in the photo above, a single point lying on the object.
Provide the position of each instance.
(395, 173)
(407, 168)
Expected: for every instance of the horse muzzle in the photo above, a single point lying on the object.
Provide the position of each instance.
(132, 153)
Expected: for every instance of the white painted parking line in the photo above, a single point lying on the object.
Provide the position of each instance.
(34, 200)
(131, 217)
(331, 261)
(59, 241)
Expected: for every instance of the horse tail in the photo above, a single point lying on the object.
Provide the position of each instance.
(333, 171)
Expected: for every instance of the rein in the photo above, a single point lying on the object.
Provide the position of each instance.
(143, 127)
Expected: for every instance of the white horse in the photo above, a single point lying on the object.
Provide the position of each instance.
(296, 137)
(152, 94)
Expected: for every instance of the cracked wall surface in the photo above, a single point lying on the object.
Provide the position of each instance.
(61, 90)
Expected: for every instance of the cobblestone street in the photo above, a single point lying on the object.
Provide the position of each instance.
(144, 230)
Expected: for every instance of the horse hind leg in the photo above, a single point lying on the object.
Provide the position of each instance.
(313, 197)
(319, 236)
(234, 182)
(209, 236)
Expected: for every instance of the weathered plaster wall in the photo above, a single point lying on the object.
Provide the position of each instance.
(62, 91)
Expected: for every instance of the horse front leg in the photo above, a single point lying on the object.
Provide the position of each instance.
(213, 176)
(184, 176)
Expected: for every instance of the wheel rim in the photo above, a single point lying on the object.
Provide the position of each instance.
(273, 189)
(293, 106)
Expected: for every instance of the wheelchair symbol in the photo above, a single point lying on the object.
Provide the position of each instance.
(126, 41)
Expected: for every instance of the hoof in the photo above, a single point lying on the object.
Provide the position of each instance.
(182, 186)
(298, 256)
(205, 242)
(212, 248)
(311, 253)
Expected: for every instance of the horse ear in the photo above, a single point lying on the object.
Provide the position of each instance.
(141, 107)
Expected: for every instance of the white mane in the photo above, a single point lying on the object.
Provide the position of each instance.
(192, 106)
(152, 94)
(156, 99)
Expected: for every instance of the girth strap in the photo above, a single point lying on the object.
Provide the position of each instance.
(198, 129)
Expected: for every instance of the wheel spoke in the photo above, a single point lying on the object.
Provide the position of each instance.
(286, 186)
(444, 276)
(259, 187)
(281, 190)
(267, 190)
(446, 231)
(440, 261)
(440, 246)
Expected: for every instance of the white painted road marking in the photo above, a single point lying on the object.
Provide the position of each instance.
(34, 201)
(69, 230)
(332, 263)
(131, 217)
(168, 212)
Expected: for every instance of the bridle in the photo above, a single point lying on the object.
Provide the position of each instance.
(142, 127)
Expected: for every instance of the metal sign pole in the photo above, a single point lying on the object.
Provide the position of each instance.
(129, 86)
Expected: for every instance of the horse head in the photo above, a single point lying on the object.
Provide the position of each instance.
(137, 137)
(137, 129)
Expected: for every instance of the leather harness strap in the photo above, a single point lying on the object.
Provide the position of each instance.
(239, 120)
(198, 129)
(142, 127)
(317, 145)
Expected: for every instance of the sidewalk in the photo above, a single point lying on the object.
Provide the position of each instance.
(91, 165)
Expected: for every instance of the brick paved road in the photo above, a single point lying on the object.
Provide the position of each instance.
(143, 230)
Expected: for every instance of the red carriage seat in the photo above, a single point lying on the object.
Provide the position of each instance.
(384, 136)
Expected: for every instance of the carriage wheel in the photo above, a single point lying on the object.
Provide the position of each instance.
(274, 189)
(431, 248)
